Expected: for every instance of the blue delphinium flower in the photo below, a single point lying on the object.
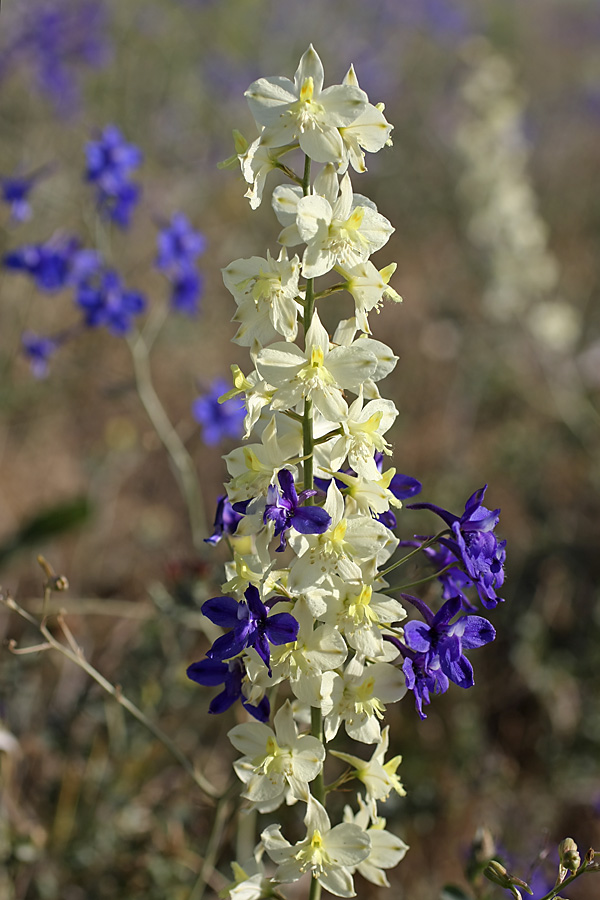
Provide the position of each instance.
(285, 510)
(474, 544)
(39, 350)
(226, 520)
(110, 161)
(219, 421)
(439, 638)
(105, 302)
(251, 625)
(212, 672)
(55, 37)
(433, 649)
(15, 192)
(423, 677)
(178, 247)
(51, 265)
(186, 290)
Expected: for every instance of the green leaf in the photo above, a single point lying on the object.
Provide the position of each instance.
(47, 523)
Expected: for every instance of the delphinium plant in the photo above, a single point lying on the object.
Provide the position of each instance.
(317, 636)
(317, 633)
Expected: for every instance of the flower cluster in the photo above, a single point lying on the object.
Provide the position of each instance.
(312, 485)
(99, 292)
(110, 160)
(178, 247)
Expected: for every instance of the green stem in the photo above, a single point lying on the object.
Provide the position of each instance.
(309, 309)
(404, 559)
(411, 584)
(316, 729)
(558, 888)
(315, 890)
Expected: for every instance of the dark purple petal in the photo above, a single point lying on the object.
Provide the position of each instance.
(224, 700)
(229, 645)
(404, 486)
(448, 517)
(257, 608)
(281, 628)
(261, 712)
(474, 631)
(417, 636)
(223, 611)
(288, 488)
(261, 645)
(208, 672)
(474, 502)
(311, 520)
(419, 604)
(446, 612)
(457, 668)
(388, 519)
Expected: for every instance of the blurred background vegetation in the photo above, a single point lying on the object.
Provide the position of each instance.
(492, 185)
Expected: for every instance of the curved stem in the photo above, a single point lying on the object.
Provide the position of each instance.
(183, 464)
(411, 584)
(75, 655)
(412, 553)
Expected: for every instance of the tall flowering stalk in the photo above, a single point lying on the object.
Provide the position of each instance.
(310, 486)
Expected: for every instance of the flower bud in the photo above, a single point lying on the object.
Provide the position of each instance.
(495, 871)
(569, 854)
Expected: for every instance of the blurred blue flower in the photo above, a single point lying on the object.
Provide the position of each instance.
(105, 302)
(15, 192)
(219, 421)
(51, 265)
(54, 37)
(110, 161)
(178, 247)
(186, 290)
(39, 350)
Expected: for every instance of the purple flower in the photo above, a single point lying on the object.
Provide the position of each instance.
(50, 264)
(15, 192)
(110, 161)
(219, 421)
(105, 302)
(475, 545)
(211, 672)
(423, 678)
(226, 520)
(433, 649)
(39, 350)
(178, 245)
(186, 291)
(251, 626)
(439, 639)
(284, 509)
